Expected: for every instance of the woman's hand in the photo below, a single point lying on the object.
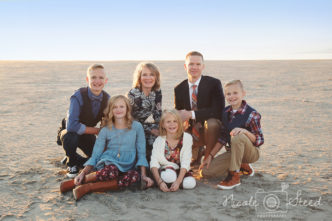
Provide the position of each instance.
(206, 162)
(155, 132)
(148, 180)
(79, 178)
(163, 187)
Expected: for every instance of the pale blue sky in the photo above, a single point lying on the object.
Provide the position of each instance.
(165, 30)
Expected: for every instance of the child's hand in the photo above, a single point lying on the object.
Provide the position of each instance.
(206, 162)
(175, 186)
(163, 187)
(79, 179)
(148, 180)
(237, 131)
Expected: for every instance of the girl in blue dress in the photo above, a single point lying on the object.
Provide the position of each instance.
(117, 154)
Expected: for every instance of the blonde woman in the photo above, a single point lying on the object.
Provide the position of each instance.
(119, 149)
(145, 98)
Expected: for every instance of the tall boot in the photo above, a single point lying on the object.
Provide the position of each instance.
(68, 185)
(102, 186)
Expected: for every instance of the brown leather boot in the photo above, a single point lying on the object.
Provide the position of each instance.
(231, 181)
(68, 185)
(102, 186)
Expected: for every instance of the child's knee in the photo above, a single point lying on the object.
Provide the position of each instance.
(189, 182)
(168, 176)
(240, 138)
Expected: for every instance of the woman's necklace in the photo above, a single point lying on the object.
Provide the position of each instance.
(119, 135)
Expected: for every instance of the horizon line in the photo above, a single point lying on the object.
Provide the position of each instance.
(138, 60)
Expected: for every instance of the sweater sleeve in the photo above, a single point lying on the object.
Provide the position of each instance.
(155, 153)
(186, 151)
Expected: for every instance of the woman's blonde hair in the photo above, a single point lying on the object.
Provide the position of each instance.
(138, 74)
(175, 114)
(108, 119)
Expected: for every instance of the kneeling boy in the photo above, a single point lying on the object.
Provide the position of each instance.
(85, 111)
(242, 131)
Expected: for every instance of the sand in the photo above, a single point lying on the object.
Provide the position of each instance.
(294, 98)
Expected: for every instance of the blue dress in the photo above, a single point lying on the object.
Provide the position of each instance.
(124, 148)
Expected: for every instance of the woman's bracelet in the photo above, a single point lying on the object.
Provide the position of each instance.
(211, 155)
(160, 182)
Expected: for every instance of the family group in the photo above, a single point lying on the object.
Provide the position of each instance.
(139, 143)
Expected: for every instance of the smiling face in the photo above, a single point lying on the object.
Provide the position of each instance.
(148, 78)
(96, 80)
(119, 109)
(194, 66)
(234, 95)
(170, 124)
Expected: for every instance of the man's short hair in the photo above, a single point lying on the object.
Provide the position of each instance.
(233, 82)
(94, 67)
(194, 53)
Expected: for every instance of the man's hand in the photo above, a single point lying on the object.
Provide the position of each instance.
(185, 115)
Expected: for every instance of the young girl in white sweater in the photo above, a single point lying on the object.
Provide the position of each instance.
(171, 154)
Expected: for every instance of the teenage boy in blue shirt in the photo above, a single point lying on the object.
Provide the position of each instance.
(85, 111)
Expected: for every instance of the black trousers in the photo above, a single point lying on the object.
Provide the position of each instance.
(71, 141)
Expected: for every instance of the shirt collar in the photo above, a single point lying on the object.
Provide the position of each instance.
(196, 83)
(241, 110)
(94, 97)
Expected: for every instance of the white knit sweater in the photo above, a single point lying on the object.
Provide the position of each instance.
(158, 153)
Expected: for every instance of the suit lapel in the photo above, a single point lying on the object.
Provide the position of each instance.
(186, 96)
(201, 87)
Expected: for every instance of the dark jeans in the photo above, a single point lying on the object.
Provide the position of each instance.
(70, 142)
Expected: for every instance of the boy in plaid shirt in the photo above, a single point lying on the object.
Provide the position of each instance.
(242, 132)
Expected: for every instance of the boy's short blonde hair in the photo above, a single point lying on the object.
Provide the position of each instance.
(233, 82)
(177, 116)
(94, 67)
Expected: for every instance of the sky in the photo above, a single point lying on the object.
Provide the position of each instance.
(165, 29)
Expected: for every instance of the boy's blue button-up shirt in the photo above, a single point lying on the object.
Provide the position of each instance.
(76, 103)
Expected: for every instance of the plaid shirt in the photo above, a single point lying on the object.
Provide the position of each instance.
(252, 124)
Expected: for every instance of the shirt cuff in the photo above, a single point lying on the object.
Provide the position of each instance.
(193, 116)
(81, 130)
(222, 141)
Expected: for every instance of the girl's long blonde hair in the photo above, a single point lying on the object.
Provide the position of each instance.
(108, 119)
(175, 114)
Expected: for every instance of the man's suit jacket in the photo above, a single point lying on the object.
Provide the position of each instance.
(210, 98)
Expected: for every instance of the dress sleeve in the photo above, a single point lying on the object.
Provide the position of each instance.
(140, 146)
(98, 148)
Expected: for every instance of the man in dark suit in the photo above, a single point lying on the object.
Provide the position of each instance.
(200, 101)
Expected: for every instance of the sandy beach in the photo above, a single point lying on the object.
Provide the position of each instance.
(293, 97)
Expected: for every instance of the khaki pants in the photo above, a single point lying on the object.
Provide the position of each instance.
(208, 137)
(242, 151)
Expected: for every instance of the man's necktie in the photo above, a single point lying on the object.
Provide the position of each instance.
(196, 125)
